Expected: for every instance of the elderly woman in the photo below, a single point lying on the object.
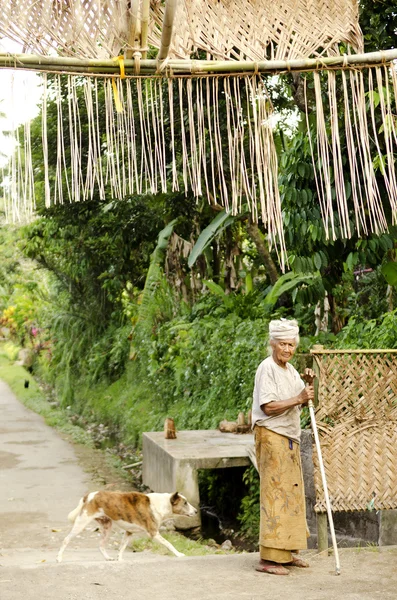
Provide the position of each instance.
(279, 394)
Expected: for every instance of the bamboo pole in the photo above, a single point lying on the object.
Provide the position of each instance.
(353, 351)
(134, 27)
(322, 533)
(166, 33)
(325, 487)
(321, 522)
(144, 26)
(191, 67)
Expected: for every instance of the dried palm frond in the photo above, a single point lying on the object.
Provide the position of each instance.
(255, 29)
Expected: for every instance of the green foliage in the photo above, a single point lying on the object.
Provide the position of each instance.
(156, 295)
(380, 332)
(250, 506)
(184, 544)
(216, 289)
(83, 350)
(198, 369)
(389, 270)
(10, 268)
(378, 23)
(288, 282)
(368, 295)
(94, 248)
(219, 304)
(313, 250)
(10, 351)
(220, 222)
(23, 289)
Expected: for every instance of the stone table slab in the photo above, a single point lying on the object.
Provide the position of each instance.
(172, 465)
(206, 449)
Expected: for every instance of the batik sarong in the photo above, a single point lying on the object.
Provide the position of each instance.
(282, 497)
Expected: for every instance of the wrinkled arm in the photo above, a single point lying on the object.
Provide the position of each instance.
(278, 407)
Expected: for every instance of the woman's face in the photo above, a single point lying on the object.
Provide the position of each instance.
(283, 350)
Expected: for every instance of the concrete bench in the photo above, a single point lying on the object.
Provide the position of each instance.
(172, 465)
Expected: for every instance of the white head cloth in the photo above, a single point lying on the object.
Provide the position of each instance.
(284, 329)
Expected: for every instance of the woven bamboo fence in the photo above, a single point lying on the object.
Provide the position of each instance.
(357, 420)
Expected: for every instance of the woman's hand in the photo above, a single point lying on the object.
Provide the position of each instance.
(306, 394)
(308, 376)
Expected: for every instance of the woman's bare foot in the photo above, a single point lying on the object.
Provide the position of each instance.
(266, 566)
(298, 562)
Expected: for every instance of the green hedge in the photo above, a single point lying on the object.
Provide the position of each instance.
(197, 372)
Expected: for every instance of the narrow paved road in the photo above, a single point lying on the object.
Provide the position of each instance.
(41, 480)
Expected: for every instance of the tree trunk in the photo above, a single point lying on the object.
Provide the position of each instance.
(389, 297)
(263, 250)
(216, 262)
(298, 92)
(338, 321)
(231, 250)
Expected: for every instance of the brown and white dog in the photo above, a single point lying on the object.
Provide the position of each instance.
(131, 511)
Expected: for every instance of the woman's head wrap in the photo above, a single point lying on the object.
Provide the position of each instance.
(284, 329)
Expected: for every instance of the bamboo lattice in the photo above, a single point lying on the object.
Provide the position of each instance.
(258, 29)
(357, 421)
(254, 29)
(83, 28)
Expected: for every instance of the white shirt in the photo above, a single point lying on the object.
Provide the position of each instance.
(272, 384)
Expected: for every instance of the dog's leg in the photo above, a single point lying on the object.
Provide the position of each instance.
(124, 544)
(167, 544)
(80, 523)
(106, 526)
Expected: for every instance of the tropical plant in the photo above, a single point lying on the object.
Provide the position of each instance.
(156, 301)
(207, 235)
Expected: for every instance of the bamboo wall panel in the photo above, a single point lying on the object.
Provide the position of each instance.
(357, 422)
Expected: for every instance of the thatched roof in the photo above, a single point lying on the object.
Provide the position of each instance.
(233, 162)
(226, 29)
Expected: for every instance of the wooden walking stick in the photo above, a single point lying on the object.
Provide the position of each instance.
(309, 380)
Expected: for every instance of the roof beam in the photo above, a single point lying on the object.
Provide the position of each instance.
(149, 67)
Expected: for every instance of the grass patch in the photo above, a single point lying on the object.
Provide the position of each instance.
(34, 399)
(182, 544)
(10, 350)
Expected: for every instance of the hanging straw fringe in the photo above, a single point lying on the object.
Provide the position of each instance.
(368, 100)
(17, 178)
(213, 136)
(128, 151)
(165, 134)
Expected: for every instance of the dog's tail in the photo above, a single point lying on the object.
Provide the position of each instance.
(74, 514)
